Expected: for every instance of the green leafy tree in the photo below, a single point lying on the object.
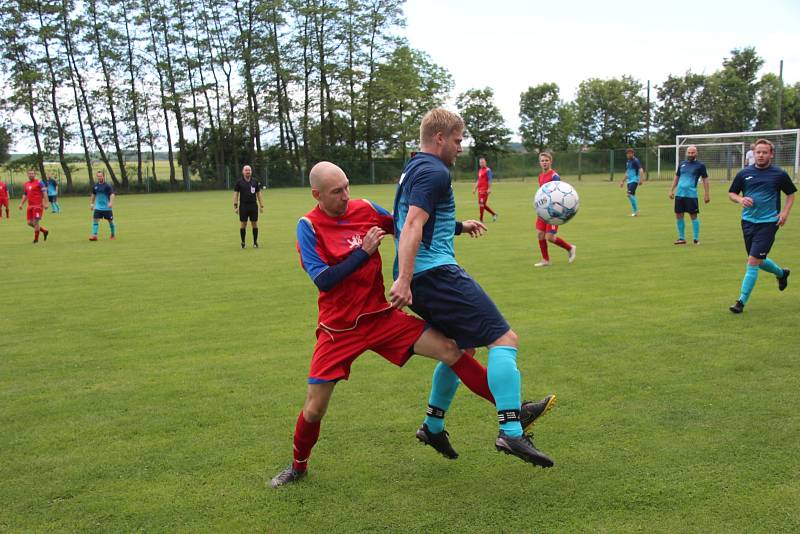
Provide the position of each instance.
(484, 122)
(539, 108)
(729, 98)
(610, 113)
(767, 101)
(680, 109)
(5, 143)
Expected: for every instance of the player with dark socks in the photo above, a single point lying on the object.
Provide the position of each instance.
(255, 237)
(242, 234)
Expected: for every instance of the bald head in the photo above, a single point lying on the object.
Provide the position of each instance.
(330, 187)
(691, 153)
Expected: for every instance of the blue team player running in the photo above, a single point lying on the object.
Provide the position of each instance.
(101, 204)
(634, 176)
(430, 281)
(758, 189)
(689, 172)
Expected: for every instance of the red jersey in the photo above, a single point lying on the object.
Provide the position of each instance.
(549, 176)
(33, 190)
(484, 178)
(324, 241)
(3, 190)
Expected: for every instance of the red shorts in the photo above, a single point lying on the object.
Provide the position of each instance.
(391, 334)
(483, 196)
(34, 212)
(4, 201)
(542, 226)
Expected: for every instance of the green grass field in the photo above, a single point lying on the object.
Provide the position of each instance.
(152, 383)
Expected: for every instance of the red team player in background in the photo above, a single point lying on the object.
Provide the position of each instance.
(547, 232)
(3, 198)
(483, 186)
(33, 193)
(338, 243)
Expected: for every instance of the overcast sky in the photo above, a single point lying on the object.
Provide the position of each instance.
(511, 45)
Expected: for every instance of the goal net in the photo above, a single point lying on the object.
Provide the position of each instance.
(724, 153)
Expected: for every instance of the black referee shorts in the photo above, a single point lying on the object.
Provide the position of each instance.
(248, 211)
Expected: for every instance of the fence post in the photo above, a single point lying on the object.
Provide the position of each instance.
(372, 171)
(302, 176)
(227, 177)
(611, 164)
(580, 175)
(266, 175)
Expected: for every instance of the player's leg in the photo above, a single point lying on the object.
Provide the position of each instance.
(306, 432)
(111, 225)
(487, 208)
(632, 198)
(481, 205)
(552, 237)
(254, 227)
(758, 240)
(95, 226)
(541, 228)
(242, 226)
(681, 225)
(695, 228)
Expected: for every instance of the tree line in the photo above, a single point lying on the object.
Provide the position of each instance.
(218, 83)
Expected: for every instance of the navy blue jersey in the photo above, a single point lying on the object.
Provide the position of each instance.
(688, 173)
(426, 184)
(764, 186)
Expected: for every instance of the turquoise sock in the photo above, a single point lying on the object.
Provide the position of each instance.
(95, 227)
(696, 229)
(750, 279)
(634, 203)
(681, 228)
(113, 228)
(504, 383)
(771, 267)
(443, 389)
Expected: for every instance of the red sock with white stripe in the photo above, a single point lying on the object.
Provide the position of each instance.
(305, 437)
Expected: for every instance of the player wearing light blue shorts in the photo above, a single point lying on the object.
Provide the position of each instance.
(430, 281)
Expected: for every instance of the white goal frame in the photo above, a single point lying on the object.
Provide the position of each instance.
(685, 140)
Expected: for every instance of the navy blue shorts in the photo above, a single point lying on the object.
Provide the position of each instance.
(686, 205)
(453, 303)
(632, 188)
(758, 238)
(103, 214)
(52, 198)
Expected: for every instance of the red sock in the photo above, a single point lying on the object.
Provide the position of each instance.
(482, 208)
(543, 248)
(36, 235)
(563, 244)
(305, 437)
(474, 376)
(490, 210)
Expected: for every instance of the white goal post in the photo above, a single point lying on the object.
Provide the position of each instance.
(787, 149)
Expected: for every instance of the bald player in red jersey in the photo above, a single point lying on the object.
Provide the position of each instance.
(338, 244)
(34, 194)
(483, 185)
(547, 232)
(3, 199)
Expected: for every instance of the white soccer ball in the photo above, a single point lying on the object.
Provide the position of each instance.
(556, 202)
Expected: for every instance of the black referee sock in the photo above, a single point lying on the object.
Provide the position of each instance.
(255, 236)
(242, 233)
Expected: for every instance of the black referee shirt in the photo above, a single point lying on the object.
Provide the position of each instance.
(247, 190)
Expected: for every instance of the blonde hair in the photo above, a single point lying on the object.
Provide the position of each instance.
(439, 120)
(766, 142)
(547, 154)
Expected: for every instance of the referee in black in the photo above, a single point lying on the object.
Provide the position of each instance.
(246, 193)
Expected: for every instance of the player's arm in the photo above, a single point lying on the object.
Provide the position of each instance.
(789, 189)
(736, 188)
(91, 200)
(410, 238)
(706, 190)
(24, 199)
(111, 200)
(260, 201)
(236, 201)
(491, 177)
(326, 276)
(674, 185)
(641, 174)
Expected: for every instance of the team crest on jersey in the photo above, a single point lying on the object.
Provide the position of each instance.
(252, 189)
(355, 241)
